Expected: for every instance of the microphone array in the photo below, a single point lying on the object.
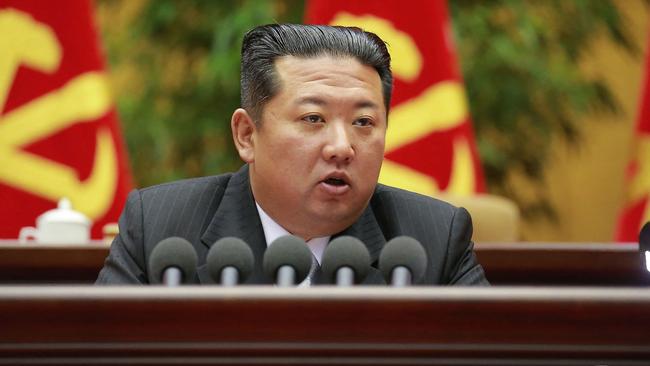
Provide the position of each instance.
(288, 261)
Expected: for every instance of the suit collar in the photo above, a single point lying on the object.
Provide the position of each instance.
(237, 216)
(367, 229)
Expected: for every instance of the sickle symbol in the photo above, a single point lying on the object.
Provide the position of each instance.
(83, 99)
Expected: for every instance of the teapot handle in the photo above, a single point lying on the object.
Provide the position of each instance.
(27, 233)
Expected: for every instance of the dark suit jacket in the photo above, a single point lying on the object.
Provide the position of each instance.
(203, 210)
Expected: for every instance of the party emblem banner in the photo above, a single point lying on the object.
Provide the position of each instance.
(430, 143)
(59, 134)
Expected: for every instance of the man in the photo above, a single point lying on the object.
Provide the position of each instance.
(312, 130)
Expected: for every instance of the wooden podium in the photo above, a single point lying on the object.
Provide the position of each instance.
(557, 264)
(86, 325)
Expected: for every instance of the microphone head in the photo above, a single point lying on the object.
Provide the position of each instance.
(172, 252)
(287, 250)
(345, 251)
(644, 237)
(403, 251)
(230, 252)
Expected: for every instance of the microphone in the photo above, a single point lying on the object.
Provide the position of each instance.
(230, 261)
(644, 245)
(345, 261)
(172, 262)
(403, 261)
(287, 261)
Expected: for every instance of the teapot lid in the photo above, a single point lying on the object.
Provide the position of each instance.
(64, 213)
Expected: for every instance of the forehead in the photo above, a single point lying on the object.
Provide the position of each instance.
(329, 77)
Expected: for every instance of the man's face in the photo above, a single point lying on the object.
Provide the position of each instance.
(315, 156)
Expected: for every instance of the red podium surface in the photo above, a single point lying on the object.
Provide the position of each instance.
(324, 326)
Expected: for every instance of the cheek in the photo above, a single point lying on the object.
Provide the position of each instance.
(292, 156)
(374, 150)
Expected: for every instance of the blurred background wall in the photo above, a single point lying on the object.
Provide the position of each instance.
(562, 158)
(586, 182)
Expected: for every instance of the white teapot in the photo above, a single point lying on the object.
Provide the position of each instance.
(62, 225)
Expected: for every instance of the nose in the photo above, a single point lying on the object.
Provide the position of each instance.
(338, 147)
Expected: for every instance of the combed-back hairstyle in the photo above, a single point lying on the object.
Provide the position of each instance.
(263, 44)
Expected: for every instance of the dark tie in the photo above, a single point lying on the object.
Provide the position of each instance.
(313, 275)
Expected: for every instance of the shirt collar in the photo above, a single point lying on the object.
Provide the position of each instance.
(273, 230)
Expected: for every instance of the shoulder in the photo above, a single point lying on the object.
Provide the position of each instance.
(444, 230)
(180, 208)
(190, 186)
(397, 199)
(183, 196)
(401, 212)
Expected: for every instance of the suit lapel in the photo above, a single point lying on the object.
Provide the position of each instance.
(368, 231)
(237, 216)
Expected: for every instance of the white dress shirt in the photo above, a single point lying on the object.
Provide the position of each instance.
(273, 230)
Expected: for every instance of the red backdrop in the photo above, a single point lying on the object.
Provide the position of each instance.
(59, 133)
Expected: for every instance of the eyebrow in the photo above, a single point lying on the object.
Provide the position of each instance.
(311, 100)
(322, 102)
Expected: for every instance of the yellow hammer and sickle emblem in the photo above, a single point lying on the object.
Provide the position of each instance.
(83, 99)
(440, 107)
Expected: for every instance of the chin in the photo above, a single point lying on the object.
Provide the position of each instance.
(339, 217)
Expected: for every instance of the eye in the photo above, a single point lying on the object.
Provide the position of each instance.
(313, 118)
(363, 122)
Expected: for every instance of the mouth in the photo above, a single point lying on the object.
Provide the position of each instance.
(336, 184)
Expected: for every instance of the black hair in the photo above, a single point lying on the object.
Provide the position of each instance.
(262, 45)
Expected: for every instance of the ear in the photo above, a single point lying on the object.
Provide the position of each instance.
(243, 128)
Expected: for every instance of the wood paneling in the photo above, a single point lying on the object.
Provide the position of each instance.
(265, 325)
